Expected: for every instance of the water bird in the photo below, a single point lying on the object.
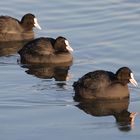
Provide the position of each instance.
(101, 84)
(46, 50)
(11, 29)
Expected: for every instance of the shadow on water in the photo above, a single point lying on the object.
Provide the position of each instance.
(118, 109)
(60, 73)
(49, 71)
(11, 47)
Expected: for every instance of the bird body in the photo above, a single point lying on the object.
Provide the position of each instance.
(102, 84)
(46, 50)
(11, 29)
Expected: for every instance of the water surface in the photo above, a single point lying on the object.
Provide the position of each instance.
(104, 35)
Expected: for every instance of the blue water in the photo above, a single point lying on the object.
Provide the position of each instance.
(104, 35)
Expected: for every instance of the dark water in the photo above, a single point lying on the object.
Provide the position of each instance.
(39, 104)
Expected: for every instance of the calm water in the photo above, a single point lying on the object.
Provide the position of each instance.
(38, 104)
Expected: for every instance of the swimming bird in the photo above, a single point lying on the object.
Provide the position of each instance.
(11, 29)
(101, 84)
(47, 50)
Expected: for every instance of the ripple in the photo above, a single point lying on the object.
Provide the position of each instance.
(104, 35)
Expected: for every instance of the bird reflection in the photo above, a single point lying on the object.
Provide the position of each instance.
(118, 109)
(11, 47)
(47, 71)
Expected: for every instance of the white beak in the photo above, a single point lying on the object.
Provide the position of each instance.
(132, 80)
(68, 47)
(36, 24)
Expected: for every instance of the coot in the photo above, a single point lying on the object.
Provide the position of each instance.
(47, 50)
(101, 84)
(12, 29)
